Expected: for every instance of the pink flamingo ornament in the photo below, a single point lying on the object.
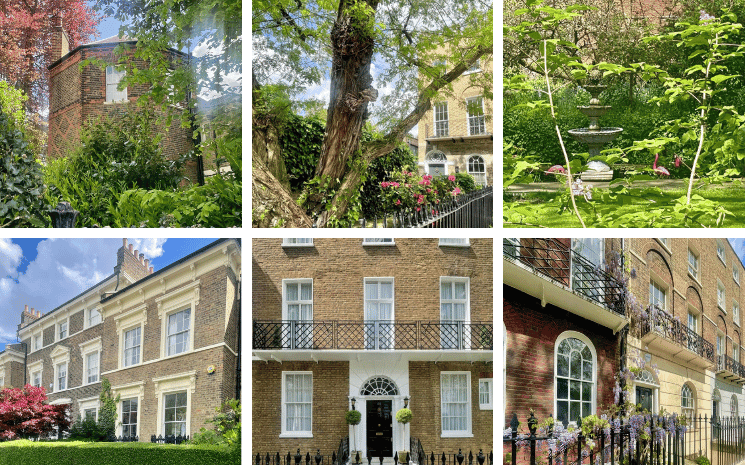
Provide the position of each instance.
(661, 170)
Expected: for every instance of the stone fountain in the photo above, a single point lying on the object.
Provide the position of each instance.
(595, 136)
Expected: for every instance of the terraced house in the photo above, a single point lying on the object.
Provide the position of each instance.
(168, 342)
(372, 325)
(570, 327)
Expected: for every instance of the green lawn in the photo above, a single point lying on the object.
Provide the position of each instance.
(544, 210)
(23, 452)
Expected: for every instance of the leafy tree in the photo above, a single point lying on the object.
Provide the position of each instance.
(24, 414)
(21, 186)
(107, 413)
(26, 29)
(423, 46)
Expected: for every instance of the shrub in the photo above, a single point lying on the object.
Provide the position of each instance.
(353, 417)
(378, 171)
(466, 182)
(24, 413)
(86, 429)
(702, 460)
(107, 413)
(227, 426)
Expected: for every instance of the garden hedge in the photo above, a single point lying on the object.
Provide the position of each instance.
(23, 452)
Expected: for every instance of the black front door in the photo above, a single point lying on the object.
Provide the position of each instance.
(644, 398)
(379, 428)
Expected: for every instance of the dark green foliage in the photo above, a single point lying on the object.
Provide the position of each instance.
(702, 460)
(227, 426)
(107, 413)
(86, 429)
(301, 140)
(466, 182)
(21, 186)
(378, 171)
(95, 453)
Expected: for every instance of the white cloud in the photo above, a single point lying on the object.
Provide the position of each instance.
(10, 257)
(151, 247)
(62, 269)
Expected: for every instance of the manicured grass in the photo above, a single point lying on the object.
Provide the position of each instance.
(23, 452)
(543, 209)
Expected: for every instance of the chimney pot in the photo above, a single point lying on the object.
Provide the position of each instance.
(137, 254)
(32, 310)
(38, 314)
(124, 242)
(25, 309)
(151, 270)
(147, 262)
(130, 248)
(142, 259)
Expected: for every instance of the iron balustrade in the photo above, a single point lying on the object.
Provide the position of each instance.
(373, 335)
(665, 325)
(728, 363)
(472, 210)
(558, 262)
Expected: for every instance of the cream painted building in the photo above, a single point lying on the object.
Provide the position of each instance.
(457, 135)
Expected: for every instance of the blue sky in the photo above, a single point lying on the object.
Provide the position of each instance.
(45, 273)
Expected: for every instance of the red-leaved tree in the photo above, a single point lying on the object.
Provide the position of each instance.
(26, 29)
(23, 413)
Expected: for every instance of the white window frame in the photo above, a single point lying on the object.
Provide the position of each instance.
(721, 296)
(89, 316)
(692, 408)
(2, 381)
(129, 391)
(136, 317)
(295, 434)
(113, 78)
(170, 385)
(466, 322)
(693, 271)
(33, 369)
(654, 386)
(189, 332)
(37, 345)
(389, 342)
(734, 408)
(379, 241)
(735, 351)
(486, 387)
(735, 312)
(441, 126)
(661, 288)
(60, 356)
(124, 359)
(736, 274)
(721, 252)
(475, 118)
(454, 242)
(474, 68)
(163, 417)
(120, 416)
(186, 297)
(88, 348)
(90, 403)
(591, 346)
(468, 432)
(477, 174)
(308, 340)
(58, 328)
(292, 242)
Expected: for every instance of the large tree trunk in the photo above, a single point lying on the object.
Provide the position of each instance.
(272, 205)
(351, 90)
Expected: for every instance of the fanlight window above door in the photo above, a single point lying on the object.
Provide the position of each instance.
(379, 386)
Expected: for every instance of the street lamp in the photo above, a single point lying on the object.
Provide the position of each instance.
(353, 401)
(406, 402)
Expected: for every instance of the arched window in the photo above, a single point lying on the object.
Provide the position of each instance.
(687, 401)
(477, 169)
(733, 410)
(379, 386)
(575, 377)
(436, 163)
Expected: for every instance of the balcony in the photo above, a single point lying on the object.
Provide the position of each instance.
(369, 336)
(551, 271)
(730, 369)
(661, 330)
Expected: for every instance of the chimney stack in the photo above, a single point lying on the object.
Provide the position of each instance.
(60, 42)
(151, 270)
(28, 316)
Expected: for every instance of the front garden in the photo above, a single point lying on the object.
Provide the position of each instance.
(676, 90)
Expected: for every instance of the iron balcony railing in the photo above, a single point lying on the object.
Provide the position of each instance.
(665, 325)
(729, 364)
(558, 262)
(373, 335)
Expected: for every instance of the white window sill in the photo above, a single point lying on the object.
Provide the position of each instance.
(455, 245)
(297, 245)
(486, 407)
(124, 367)
(695, 279)
(456, 435)
(94, 382)
(118, 102)
(296, 435)
(379, 244)
(722, 309)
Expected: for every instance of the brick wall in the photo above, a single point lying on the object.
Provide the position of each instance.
(426, 424)
(532, 331)
(338, 268)
(330, 387)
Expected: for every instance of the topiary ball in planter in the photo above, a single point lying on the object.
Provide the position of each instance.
(403, 416)
(353, 417)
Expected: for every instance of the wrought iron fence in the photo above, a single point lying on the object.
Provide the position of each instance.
(663, 324)
(417, 456)
(558, 262)
(729, 364)
(127, 439)
(451, 459)
(375, 335)
(168, 439)
(472, 210)
(298, 459)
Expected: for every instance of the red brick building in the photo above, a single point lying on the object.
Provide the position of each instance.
(374, 325)
(562, 317)
(167, 341)
(77, 96)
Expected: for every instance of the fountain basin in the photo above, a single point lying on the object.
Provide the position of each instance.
(594, 111)
(595, 139)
